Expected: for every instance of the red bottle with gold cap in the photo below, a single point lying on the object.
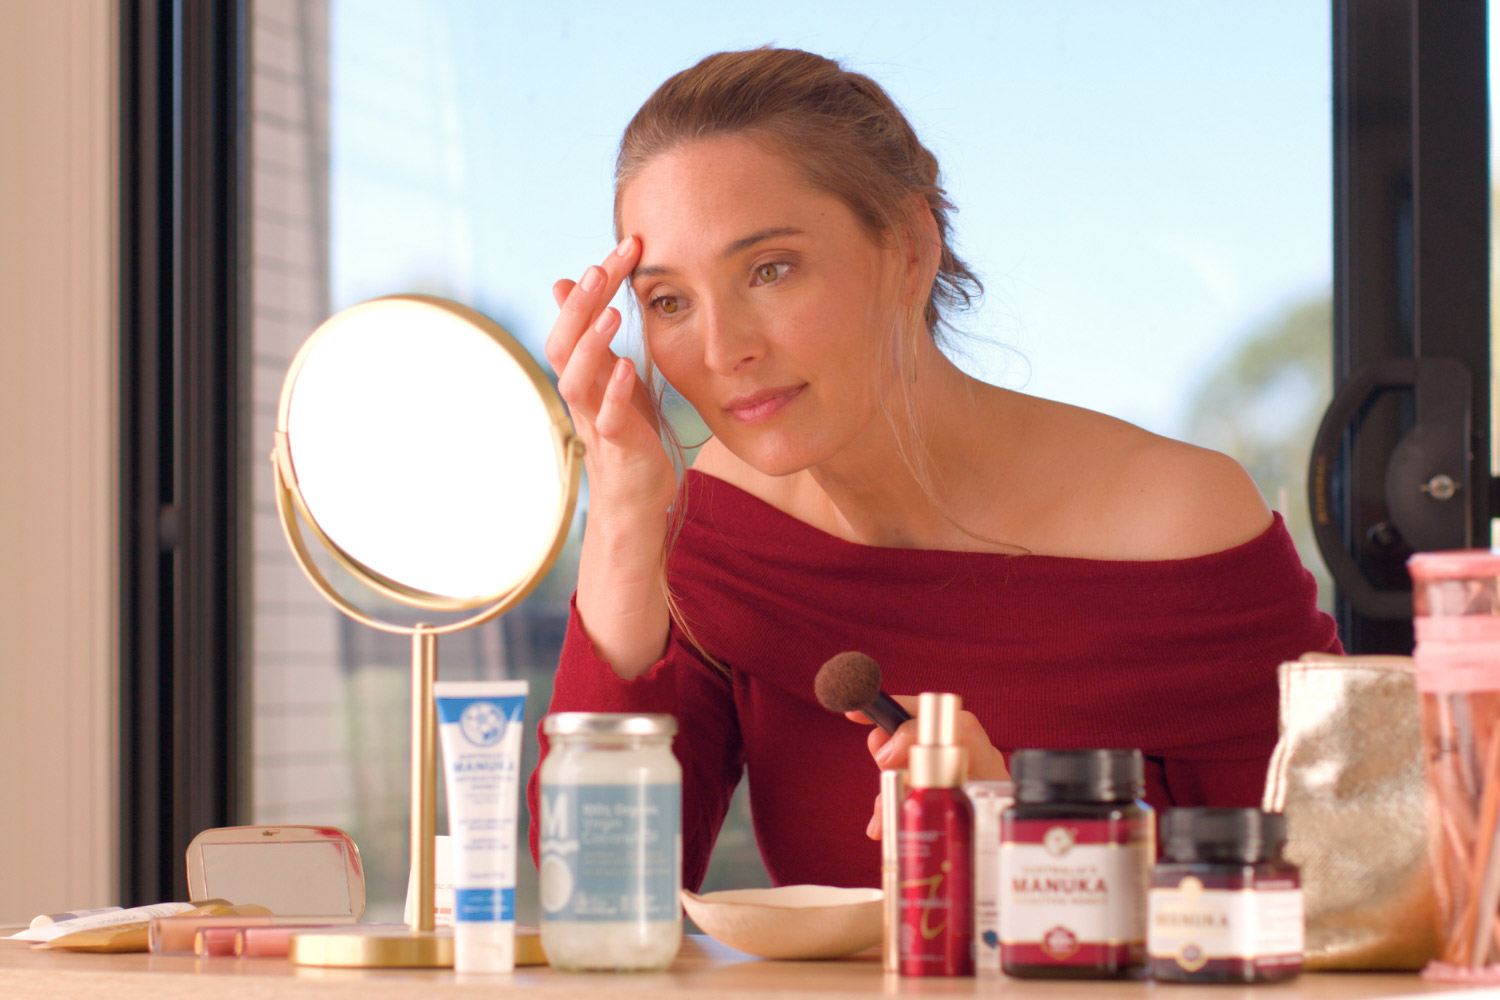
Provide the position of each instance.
(937, 848)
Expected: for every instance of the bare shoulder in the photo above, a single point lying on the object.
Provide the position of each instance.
(1189, 501)
(1140, 496)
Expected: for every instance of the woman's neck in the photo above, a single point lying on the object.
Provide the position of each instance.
(915, 480)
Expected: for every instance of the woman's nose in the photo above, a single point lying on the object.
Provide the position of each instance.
(730, 338)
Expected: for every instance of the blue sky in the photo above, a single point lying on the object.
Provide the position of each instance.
(1139, 184)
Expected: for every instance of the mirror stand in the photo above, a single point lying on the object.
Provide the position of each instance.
(418, 945)
(423, 776)
(468, 536)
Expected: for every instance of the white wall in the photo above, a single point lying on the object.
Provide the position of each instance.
(58, 495)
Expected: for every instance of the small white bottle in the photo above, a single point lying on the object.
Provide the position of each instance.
(611, 842)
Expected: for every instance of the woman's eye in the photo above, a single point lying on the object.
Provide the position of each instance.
(665, 304)
(767, 273)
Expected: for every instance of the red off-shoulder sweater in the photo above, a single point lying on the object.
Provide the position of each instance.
(1177, 658)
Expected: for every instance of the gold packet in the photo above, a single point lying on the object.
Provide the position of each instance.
(135, 936)
(1348, 773)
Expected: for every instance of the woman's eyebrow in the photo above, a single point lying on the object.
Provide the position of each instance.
(741, 244)
(745, 242)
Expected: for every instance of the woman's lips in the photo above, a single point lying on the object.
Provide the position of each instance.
(758, 406)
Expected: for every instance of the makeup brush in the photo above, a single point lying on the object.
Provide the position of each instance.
(850, 682)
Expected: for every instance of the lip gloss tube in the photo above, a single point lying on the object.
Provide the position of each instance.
(215, 942)
(268, 942)
(892, 791)
(167, 935)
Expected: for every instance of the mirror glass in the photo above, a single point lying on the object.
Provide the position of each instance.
(425, 444)
(295, 879)
(295, 871)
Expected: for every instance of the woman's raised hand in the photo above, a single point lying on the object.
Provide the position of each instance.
(611, 408)
(620, 600)
(890, 750)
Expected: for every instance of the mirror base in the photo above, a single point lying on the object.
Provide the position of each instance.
(385, 947)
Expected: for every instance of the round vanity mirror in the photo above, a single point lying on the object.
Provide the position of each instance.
(427, 453)
(435, 470)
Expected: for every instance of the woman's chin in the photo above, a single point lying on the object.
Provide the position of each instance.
(771, 459)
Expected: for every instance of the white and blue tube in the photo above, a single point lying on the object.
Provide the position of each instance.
(480, 726)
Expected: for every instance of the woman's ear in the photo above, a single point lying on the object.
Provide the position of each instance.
(921, 246)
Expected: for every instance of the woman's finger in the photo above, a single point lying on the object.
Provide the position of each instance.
(986, 763)
(579, 310)
(587, 299)
(873, 828)
(890, 751)
(616, 414)
(583, 302)
(618, 265)
(588, 371)
(560, 289)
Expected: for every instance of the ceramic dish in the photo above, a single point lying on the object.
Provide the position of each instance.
(793, 921)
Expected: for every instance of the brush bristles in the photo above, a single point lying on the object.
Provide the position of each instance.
(847, 683)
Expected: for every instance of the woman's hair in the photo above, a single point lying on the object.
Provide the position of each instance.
(848, 139)
(839, 128)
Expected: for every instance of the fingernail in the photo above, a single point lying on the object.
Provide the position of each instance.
(592, 279)
(622, 370)
(884, 753)
(605, 321)
(626, 245)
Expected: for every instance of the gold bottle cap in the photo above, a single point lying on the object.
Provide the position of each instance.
(937, 761)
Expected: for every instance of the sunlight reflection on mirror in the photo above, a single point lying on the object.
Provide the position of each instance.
(423, 450)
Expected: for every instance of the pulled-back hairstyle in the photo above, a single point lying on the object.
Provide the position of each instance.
(848, 139)
(840, 129)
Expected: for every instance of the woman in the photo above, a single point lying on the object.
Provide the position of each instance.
(1079, 581)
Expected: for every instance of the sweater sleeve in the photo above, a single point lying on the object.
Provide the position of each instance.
(681, 684)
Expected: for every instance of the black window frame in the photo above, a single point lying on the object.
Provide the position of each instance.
(1411, 262)
(182, 163)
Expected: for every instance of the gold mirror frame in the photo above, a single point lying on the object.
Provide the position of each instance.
(292, 506)
(416, 945)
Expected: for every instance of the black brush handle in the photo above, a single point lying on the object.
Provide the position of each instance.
(885, 713)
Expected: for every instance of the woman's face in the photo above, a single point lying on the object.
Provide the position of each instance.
(763, 300)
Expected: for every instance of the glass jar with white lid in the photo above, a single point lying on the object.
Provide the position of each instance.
(611, 841)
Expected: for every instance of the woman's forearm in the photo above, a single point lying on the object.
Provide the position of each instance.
(621, 600)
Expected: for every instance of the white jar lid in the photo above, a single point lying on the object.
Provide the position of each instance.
(608, 724)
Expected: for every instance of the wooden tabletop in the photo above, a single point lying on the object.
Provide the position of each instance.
(704, 969)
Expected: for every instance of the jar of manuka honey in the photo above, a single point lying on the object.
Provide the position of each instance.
(1075, 864)
(1225, 906)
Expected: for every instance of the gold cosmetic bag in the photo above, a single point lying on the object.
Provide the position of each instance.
(1348, 773)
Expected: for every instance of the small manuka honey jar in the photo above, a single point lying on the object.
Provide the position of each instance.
(1225, 906)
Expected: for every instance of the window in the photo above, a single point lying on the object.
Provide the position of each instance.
(1064, 214)
(1144, 189)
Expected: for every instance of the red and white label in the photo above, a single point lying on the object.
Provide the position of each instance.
(1193, 925)
(1070, 890)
